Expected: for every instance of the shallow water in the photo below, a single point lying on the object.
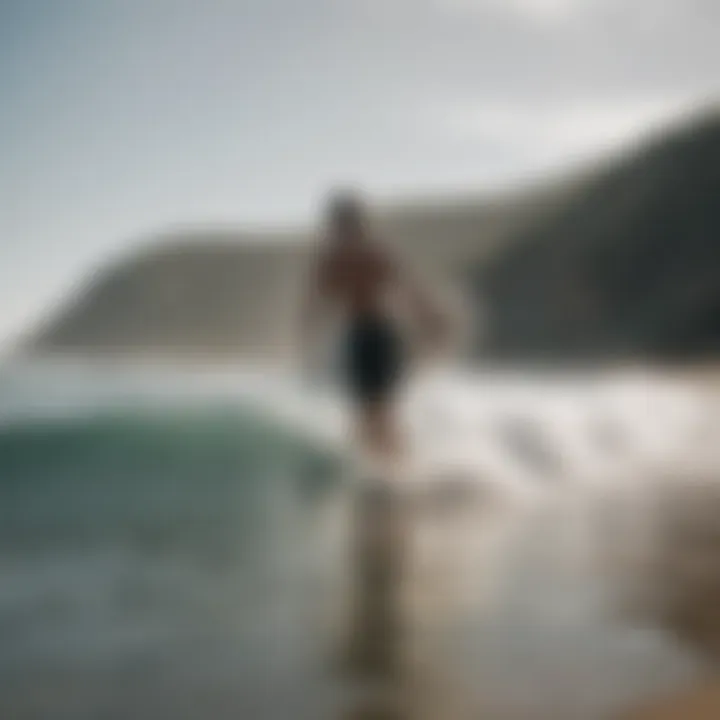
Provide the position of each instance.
(190, 544)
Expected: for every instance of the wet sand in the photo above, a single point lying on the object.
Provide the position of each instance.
(463, 606)
(698, 703)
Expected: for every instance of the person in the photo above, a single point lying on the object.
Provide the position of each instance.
(359, 276)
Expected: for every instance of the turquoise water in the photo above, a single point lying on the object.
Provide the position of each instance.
(158, 559)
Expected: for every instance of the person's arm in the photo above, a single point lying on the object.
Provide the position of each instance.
(312, 304)
(423, 306)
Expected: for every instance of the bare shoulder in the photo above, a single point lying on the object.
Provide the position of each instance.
(383, 257)
(323, 266)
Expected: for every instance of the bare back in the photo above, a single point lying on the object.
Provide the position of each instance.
(357, 277)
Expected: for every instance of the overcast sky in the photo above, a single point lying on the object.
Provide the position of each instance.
(120, 117)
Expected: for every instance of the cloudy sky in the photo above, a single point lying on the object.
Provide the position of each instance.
(120, 117)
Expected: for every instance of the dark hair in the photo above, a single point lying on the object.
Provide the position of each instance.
(345, 208)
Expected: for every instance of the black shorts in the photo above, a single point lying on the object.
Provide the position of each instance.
(373, 358)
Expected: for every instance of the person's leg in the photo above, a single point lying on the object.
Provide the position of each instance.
(379, 432)
(376, 643)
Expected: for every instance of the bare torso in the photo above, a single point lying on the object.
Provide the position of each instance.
(357, 277)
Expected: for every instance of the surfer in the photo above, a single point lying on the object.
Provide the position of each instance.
(359, 276)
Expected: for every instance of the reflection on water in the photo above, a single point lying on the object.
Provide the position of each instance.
(465, 609)
(207, 565)
(376, 651)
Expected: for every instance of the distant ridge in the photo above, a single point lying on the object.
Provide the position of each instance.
(221, 292)
(629, 268)
(622, 260)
